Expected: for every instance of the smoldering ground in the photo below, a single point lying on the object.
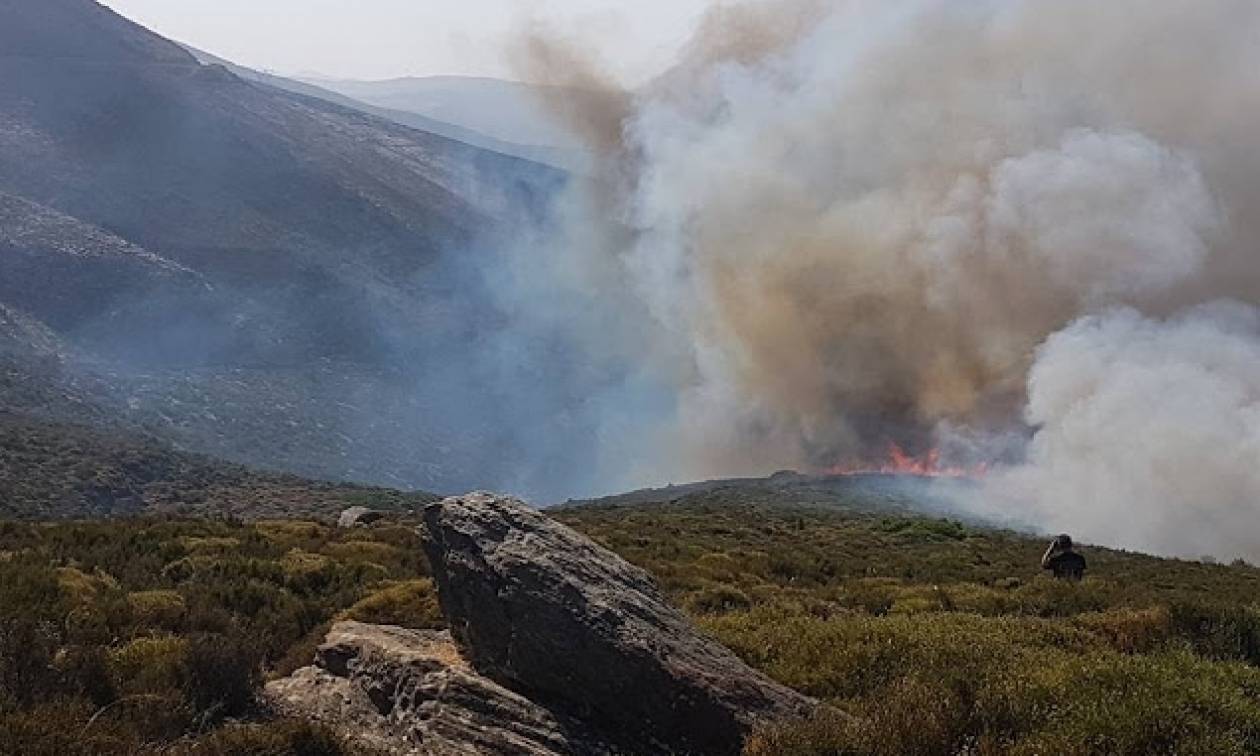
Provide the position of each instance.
(835, 225)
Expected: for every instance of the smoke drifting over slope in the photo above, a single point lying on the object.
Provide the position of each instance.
(1149, 432)
(836, 225)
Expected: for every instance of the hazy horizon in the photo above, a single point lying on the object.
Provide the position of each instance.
(389, 39)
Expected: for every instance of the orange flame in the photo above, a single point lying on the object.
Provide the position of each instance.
(898, 462)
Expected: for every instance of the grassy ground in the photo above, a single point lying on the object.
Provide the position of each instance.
(925, 636)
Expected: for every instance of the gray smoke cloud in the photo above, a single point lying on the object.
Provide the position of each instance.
(1148, 433)
(836, 225)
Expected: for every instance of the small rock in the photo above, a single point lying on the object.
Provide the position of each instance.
(358, 517)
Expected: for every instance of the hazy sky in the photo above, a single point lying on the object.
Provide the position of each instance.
(373, 39)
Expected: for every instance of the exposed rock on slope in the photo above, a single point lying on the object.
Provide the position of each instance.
(355, 517)
(411, 692)
(563, 620)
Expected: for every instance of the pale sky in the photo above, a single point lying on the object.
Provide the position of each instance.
(378, 39)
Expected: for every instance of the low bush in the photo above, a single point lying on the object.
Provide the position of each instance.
(412, 603)
(281, 738)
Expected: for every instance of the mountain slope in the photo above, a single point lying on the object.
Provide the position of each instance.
(249, 186)
(217, 259)
(205, 168)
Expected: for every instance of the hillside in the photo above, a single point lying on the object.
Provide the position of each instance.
(294, 206)
(215, 258)
(931, 636)
(51, 470)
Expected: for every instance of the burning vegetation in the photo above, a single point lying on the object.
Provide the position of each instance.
(898, 462)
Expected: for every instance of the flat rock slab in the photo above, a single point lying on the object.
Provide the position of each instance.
(398, 691)
(566, 622)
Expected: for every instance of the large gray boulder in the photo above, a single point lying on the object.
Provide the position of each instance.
(410, 692)
(562, 620)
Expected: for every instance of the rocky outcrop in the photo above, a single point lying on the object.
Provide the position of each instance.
(562, 620)
(354, 517)
(401, 691)
(557, 646)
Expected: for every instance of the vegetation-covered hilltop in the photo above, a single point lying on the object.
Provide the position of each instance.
(938, 638)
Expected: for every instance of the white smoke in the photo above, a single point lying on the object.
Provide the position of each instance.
(1148, 433)
(836, 225)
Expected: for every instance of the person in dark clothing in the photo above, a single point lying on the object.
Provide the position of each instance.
(1063, 560)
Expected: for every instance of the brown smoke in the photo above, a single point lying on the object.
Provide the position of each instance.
(853, 222)
(575, 88)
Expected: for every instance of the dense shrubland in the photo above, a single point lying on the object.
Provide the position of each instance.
(927, 637)
(116, 637)
(930, 637)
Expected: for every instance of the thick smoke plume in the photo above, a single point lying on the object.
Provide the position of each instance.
(1148, 432)
(837, 225)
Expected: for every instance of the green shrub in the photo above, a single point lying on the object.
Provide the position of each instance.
(162, 609)
(149, 663)
(221, 675)
(1130, 630)
(718, 599)
(280, 738)
(412, 603)
(60, 728)
(26, 655)
(1218, 630)
(371, 552)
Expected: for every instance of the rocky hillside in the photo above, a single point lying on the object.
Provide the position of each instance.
(216, 258)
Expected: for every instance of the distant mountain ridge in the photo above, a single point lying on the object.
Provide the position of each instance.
(502, 110)
(541, 153)
(500, 107)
